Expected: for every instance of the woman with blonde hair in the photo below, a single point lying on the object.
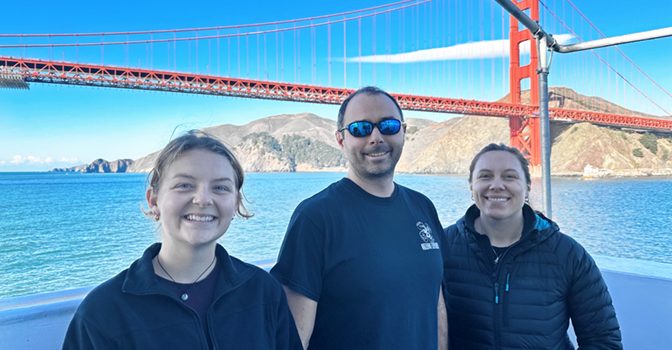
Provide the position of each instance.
(188, 292)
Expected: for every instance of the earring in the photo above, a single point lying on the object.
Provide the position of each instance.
(156, 215)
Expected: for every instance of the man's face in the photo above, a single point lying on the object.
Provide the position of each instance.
(374, 156)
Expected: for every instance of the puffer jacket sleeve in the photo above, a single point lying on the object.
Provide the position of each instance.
(590, 306)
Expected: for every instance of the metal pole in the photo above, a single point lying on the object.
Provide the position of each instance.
(615, 40)
(545, 125)
(528, 22)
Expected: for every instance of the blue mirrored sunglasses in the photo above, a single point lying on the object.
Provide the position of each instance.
(363, 128)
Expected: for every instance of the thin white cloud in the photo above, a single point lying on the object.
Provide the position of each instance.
(69, 159)
(468, 51)
(23, 160)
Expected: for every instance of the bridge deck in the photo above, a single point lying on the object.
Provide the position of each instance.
(57, 72)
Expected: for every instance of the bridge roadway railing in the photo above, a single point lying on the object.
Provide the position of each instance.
(643, 304)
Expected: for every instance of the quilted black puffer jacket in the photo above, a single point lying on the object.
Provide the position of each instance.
(526, 300)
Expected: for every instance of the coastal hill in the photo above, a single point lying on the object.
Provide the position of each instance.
(305, 142)
(98, 166)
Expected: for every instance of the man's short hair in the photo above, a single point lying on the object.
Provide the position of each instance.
(369, 90)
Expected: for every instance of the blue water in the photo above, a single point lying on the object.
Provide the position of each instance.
(62, 231)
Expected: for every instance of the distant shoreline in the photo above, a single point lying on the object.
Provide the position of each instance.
(608, 175)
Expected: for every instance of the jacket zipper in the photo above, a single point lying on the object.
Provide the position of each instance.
(499, 318)
(207, 316)
(495, 319)
(204, 338)
(505, 312)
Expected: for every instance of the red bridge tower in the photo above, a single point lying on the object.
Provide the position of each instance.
(525, 132)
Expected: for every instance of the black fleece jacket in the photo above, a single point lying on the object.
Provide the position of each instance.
(131, 311)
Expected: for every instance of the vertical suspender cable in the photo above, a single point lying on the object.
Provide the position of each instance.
(481, 61)
(492, 60)
(329, 54)
(238, 51)
(359, 51)
(373, 48)
(282, 56)
(505, 76)
(294, 51)
(388, 44)
(102, 49)
(345, 55)
(456, 78)
(265, 58)
(417, 71)
(313, 54)
(126, 62)
(228, 56)
(247, 56)
(151, 51)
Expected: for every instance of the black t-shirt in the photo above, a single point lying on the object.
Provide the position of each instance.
(372, 264)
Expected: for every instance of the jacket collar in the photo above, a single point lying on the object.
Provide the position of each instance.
(536, 229)
(141, 280)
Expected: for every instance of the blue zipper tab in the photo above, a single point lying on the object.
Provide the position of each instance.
(506, 288)
(496, 293)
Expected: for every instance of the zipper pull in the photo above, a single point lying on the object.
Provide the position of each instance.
(506, 288)
(496, 293)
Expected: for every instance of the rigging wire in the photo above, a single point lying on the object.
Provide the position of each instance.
(201, 29)
(215, 36)
(600, 58)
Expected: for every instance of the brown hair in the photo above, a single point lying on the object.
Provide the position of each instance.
(524, 164)
(196, 139)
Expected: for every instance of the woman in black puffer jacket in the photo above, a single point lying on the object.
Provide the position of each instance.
(512, 279)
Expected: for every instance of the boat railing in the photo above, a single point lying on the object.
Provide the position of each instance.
(643, 304)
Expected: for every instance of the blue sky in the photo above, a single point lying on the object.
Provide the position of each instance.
(56, 125)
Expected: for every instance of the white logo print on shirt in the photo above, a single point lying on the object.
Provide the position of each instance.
(425, 233)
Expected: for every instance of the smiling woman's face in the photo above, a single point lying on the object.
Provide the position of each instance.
(498, 185)
(196, 199)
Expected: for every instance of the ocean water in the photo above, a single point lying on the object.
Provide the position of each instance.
(63, 231)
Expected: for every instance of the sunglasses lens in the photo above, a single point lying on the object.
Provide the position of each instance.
(360, 129)
(389, 126)
(364, 128)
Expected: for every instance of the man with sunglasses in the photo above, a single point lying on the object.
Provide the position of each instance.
(360, 263)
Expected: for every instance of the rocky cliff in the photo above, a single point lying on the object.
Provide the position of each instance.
(99, 166)
(281, 143)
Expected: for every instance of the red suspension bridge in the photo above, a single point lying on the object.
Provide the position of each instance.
(17, 69)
